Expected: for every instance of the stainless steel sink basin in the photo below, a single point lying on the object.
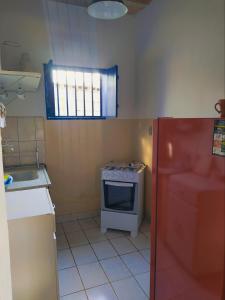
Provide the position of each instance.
(27, 177)
(24, 175)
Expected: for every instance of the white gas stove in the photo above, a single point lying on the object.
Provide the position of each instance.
(122, 187)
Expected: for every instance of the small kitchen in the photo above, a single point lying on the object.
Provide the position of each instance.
(64, 177)
(101, 194)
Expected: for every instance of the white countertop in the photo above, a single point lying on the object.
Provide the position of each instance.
(28, 203)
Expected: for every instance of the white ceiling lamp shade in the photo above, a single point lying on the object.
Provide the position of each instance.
(107, 9)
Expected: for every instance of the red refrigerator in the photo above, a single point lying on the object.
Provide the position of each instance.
(188, 210)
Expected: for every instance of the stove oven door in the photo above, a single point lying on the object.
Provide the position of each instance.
(119, 196)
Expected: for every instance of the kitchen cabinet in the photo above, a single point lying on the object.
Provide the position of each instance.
(31, 223)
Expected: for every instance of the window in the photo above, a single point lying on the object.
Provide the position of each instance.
(80, 93)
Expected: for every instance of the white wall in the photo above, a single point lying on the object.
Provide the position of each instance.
(23, 21)
(73, 37)
(180, 58)
(77, 39)
(179, 53)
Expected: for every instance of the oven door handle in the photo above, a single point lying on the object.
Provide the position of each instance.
(116, 183)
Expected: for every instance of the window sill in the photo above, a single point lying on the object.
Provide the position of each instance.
(78, 118)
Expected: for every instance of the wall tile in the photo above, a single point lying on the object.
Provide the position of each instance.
(29, 146)
(24, 134)
(39, 122)
(26, 128)
(27, 158)
(11, 160)
(11, 131)
(11, 147)
(41, 151)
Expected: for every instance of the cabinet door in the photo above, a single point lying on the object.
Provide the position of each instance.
(33, 258)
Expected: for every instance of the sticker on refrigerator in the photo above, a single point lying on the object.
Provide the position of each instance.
(219, 138)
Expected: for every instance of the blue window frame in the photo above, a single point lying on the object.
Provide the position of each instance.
(80, 93)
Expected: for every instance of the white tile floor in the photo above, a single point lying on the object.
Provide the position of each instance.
(94, 266)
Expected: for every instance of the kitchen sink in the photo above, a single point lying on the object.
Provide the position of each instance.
(27, 177)
(24, 175)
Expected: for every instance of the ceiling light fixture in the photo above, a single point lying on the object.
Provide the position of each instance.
(107, 9)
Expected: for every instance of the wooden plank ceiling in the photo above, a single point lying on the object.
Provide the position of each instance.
(134, 6)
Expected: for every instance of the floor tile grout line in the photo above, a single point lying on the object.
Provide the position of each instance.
(102, 259)
(106, 275)
(89, 243)
(144, 256)
(131, 270)
(133, 242)
(91, 218)
(99, 241)
(120, 254)
(99, 260)
(128, 240)
(71, 294)
(108, 239)
(92, 247)
(96, 286)
(85, 263)
(77, 269)
(109, 283)
(74, 261)
(139, 283)
(136, 281)
(114, 247)
(86, 294)
(131, 274)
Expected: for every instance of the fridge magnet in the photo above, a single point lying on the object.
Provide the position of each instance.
(219, 138)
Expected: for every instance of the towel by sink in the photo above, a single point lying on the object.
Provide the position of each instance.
(2, 115)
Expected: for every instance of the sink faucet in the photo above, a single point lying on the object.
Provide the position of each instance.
(37, 158)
